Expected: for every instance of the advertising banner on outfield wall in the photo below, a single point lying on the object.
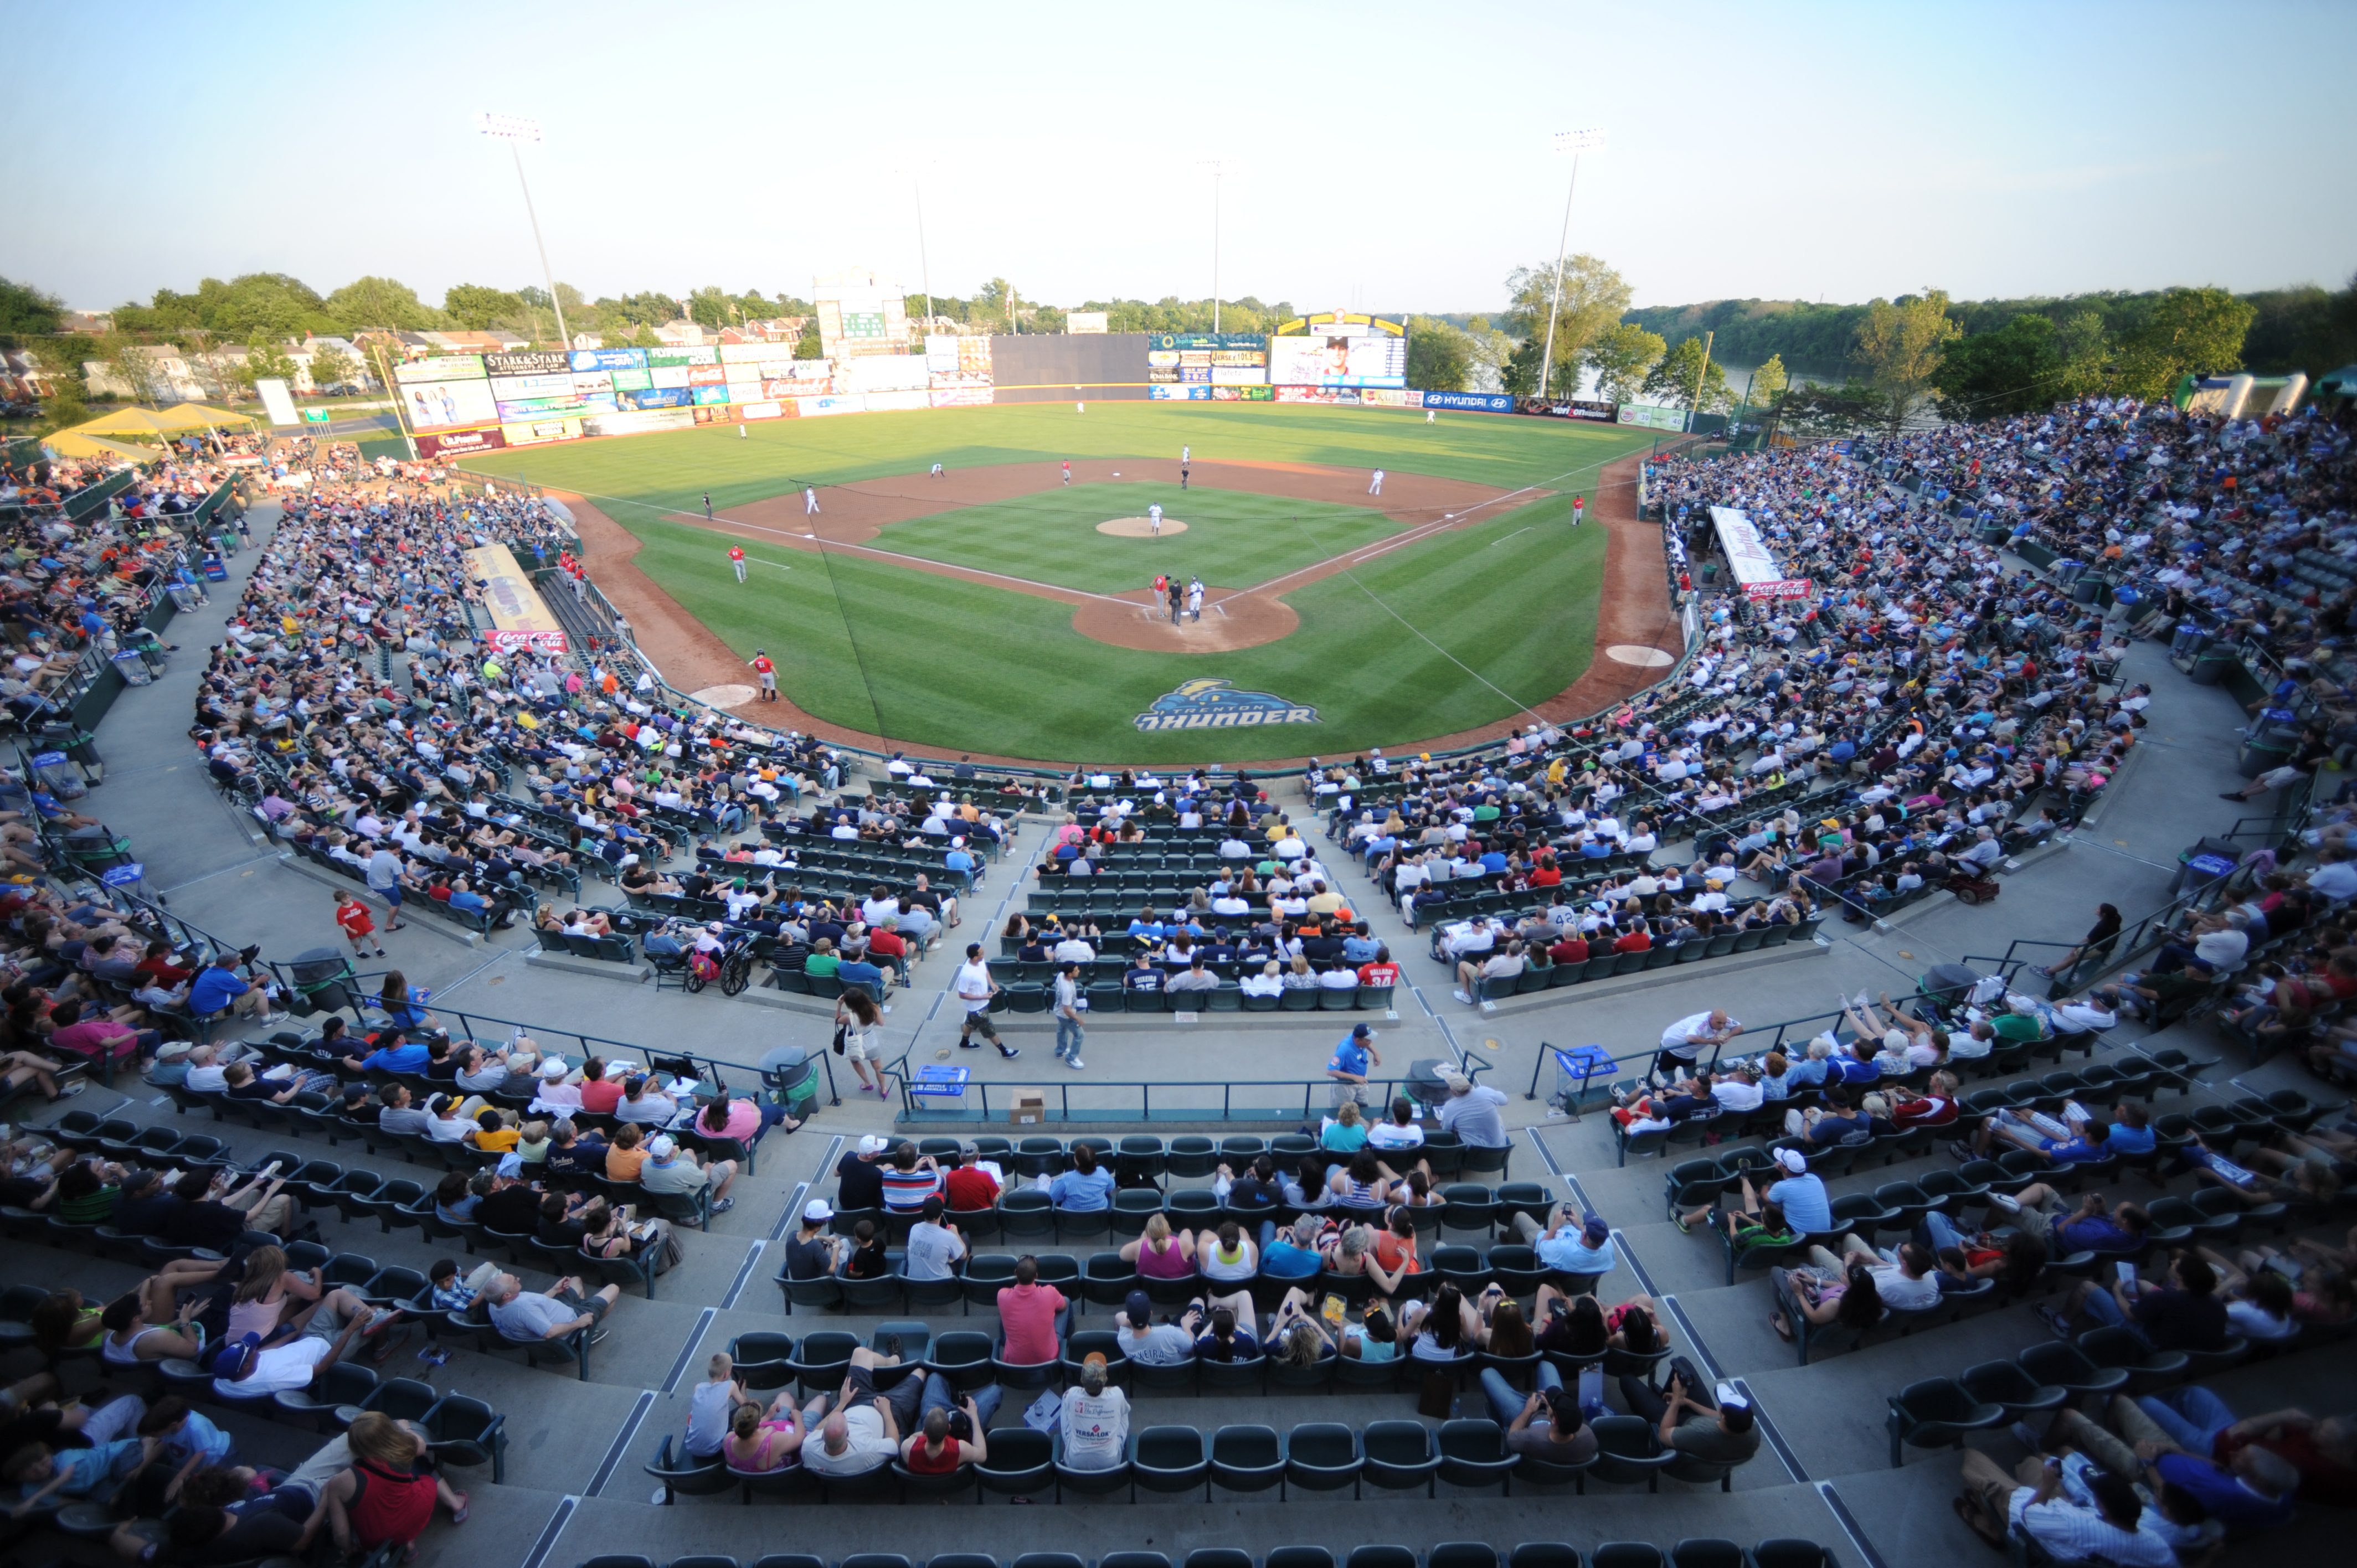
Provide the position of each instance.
(1474, 403)
(1243, 394)
(445, 368)
(961, 397)
(889, 401)
(1650, 416)
(539, 431)
(653, 397)
(1179, 393)
(609, 359)
(818, 386)
(638, 423)
(811, 407)
(459, 442)
(539, 362)
(704, 356)
(1344, 396)
(710, 393)
(1238, 376)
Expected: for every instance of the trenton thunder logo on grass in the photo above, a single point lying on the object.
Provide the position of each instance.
(1217, 704)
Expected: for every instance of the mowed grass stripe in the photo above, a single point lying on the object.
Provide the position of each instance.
(674, 469)
(961, 666)
(1233, 539)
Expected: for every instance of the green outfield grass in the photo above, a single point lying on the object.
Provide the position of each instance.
(1453, 632)
(1233, 538)
(674, 469)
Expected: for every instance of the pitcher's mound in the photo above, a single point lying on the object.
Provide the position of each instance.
(723, 696)
(1139, 527)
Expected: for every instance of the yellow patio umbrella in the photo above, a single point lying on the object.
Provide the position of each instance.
(133, 422)
(204, 416)
(69, 443)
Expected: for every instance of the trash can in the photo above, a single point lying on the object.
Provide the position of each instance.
(2083, 589)
(215, 570)
(1996, 534)
(132, 667)
(2212, 667)
(82, 749)
(791, 1074)
(187, 598)
(59, 776)
(2189, 640)
(318, 975)
(2258, 756)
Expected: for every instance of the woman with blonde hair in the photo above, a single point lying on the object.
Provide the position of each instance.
(383, 1498)
(1299, 977)
(1161, 1253)
(761, 1440)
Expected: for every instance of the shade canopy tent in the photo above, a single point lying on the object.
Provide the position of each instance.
(73, 444)
(147, 422)
(209, 415)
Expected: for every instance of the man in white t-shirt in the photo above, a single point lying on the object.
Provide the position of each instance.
(245, 1371)
(1682, 1042)
(976, 988)
(1400, 1131)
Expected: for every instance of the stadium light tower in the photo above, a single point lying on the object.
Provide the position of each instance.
(1216, 168)
(514, 129)
(1574, 142)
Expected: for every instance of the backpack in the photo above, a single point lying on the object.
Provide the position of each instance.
(704, 965)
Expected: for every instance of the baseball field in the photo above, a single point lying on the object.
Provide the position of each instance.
(1008, 607)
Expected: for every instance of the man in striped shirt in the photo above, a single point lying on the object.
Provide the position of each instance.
(909, 1179)
(2068, 1531)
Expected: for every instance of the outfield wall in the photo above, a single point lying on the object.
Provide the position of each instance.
(1056, 368)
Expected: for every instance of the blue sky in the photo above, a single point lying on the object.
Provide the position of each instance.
(1392, 155)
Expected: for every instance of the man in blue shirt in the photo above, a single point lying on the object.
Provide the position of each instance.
(1143, 976)
(218, 986)
(1290, 1254)
(1585, 1252)
(1348, 1066)
(1800, 1194)
(957, 860)
(392, 1054)
(860, 973)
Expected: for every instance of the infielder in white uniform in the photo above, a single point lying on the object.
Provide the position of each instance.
(1154, 516)
(1377, 487)
(810, 498)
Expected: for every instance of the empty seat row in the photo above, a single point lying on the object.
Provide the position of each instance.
(1689, 1553)
(1314, 1457)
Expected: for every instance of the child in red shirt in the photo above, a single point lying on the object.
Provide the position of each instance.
(353, 917)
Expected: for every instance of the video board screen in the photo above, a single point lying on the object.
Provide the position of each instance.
(1379, 361)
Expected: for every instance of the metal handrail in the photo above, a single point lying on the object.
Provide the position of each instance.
(1473, 1064)
(467, 1021)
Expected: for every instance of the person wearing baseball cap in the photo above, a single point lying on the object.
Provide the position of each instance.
(1348, 1066)
(1800, 1194)
(811, 1252)
(1146, 1342)
(1581, 1250)
(859, 1177)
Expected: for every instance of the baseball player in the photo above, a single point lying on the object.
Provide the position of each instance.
(1154, 516)
(737, 559)
(1182, 473)
(1376, 488)
(1578, 510)
(937, 471)
(708, 506)
(810, 497)
(1178, 600)
(1195, 599)
(1067, 473)
(1427, 416)
(765, 672)
(1185, 453)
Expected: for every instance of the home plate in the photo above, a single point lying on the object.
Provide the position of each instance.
(722, 696)
(1637, 654)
